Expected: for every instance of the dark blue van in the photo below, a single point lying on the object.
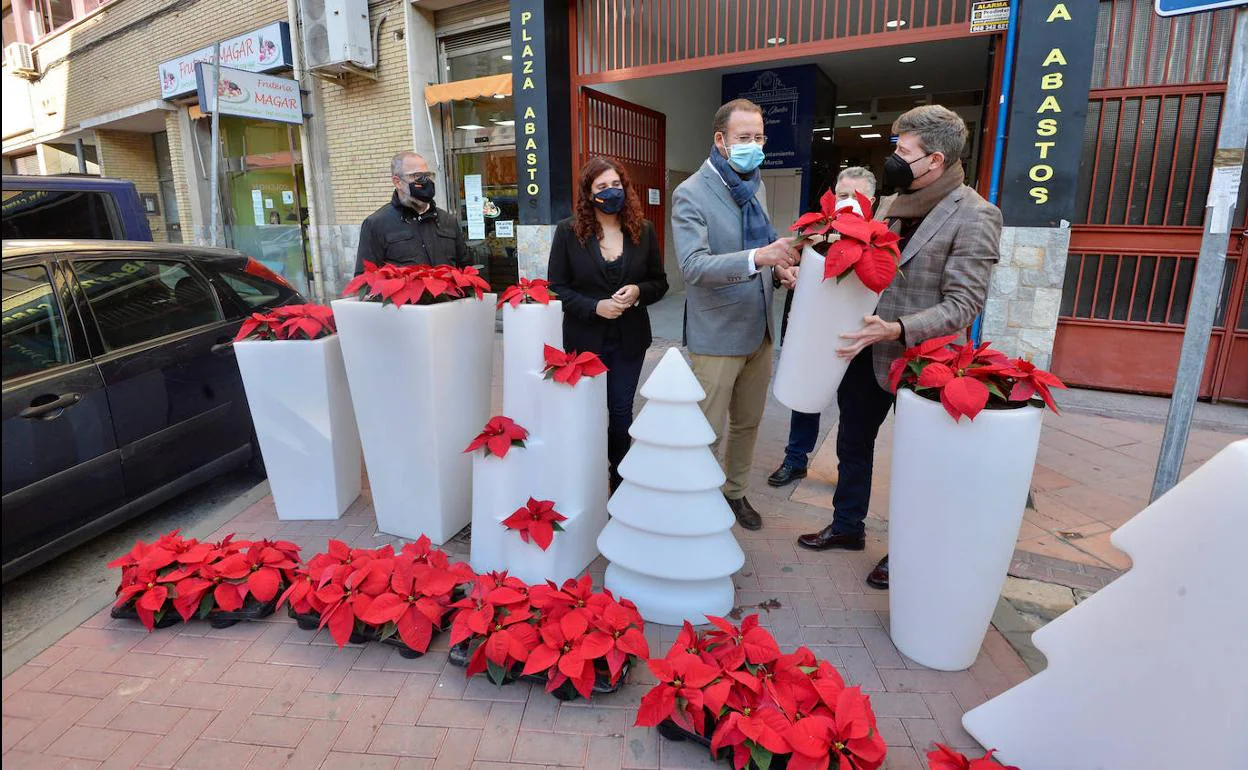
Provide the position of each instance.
(73, 207)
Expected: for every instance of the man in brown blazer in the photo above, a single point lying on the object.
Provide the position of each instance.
(950, 239)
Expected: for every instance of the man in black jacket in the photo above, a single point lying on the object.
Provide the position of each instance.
(411, 229)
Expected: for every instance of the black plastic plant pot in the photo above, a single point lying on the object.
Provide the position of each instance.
(674, 732)
(565, 692)
(308, 621)
(127, 612)
(252, 609)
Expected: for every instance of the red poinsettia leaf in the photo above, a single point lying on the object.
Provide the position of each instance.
(853, 227)
(806, 220)
(264, 584)
(656, 706)
(386, 608)
(876, 268)
(944, 758)
(841, 257)
(864, 203)
(935, 375)
(541, 660)
(498, 445)
(964, 396)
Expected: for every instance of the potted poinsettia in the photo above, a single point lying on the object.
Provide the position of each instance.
(733, 690)
(944, 758)
(418, 346)
(964, 446)
(296, 384)
(848, 259)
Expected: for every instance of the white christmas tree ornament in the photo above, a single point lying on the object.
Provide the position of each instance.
(670, 539)
(1150, 672)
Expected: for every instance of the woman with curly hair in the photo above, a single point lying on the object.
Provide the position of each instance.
(606, 268)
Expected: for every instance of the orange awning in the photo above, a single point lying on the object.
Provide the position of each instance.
(476, 88)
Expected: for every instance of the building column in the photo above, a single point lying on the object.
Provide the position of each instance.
(541, 83)
(1039, 185)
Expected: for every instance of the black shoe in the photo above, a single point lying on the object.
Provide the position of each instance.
(747, 517)
(786, 474)
(826, 539)
(879, 576)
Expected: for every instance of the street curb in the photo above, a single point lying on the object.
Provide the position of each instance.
(82, 610)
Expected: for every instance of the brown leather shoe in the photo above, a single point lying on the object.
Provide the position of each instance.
(825, 539)
(747, 517)
(879, 576)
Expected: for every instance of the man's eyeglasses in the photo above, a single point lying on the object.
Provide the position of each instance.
(747, 138)
(420, 177)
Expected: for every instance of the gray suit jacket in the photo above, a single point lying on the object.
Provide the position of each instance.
(945, 269)
(727, 310)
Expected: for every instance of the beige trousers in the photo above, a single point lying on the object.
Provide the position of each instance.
(736, 391)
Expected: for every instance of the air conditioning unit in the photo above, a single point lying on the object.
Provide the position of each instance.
(20, 59)
(335, 34)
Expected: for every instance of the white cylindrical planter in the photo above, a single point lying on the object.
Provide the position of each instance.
(956, 499)
(527, 329)
(301, 411)
(420, 385)
(810, 371)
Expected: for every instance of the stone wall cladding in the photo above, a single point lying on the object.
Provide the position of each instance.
(1025, 295)
(132, 155)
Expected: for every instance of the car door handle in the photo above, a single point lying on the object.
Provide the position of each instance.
(49, 410)
(223, 348)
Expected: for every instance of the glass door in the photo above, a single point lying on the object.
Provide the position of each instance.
(485, 197)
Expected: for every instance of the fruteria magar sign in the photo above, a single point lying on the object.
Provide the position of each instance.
(262, 50)
(250, 94)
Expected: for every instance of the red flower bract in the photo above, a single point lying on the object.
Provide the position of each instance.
(415, 284)
(569, 367)
(538, 520)
(865, 245)
(944, 758)
(499, 436)
(526, 291)
(968, 378)
(289, 322)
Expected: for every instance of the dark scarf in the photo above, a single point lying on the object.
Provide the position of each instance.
(918, 204)
(756, 230)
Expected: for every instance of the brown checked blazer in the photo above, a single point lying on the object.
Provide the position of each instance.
(945, 268)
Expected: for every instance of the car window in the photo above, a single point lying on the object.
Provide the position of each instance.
(254, 291)
(60, 214)
(34, 334)
(137, 300)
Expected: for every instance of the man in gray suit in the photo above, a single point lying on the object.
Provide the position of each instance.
(950, 240)
(728, 250)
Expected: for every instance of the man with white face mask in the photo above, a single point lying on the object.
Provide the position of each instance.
(727, 250)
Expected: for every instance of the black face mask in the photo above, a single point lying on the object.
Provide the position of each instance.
(898, 173)
(610, 200)
(421, 191)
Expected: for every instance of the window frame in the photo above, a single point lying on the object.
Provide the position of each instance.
(112, 211)
(39, 35)
(99, 346)
(72, 342)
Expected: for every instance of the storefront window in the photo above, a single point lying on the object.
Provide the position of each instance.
(168, 196)
(265, 203)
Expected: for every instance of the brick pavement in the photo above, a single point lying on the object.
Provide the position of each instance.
(266, 694)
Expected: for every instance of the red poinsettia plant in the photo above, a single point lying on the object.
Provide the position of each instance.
(537, 522)
(757, 705)
(289, 322)
(415, 284)
(377, 593)
(571, 366)
(498, 437)
(197, 579)
(571, 637)
(945, 758)
(969, 378)
(536, 291)
(851, 241)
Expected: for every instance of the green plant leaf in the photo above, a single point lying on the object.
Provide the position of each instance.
(496, 673)
(760, 756)
(206, 605)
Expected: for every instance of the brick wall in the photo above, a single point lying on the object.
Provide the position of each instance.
(366, 122)
(132, 155)
(180, 167)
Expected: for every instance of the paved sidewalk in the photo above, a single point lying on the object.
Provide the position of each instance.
(269, 695)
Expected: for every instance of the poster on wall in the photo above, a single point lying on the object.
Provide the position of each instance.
(787, 96)
(257, 206)
(249, 95)
(475, 204)
(262, 50)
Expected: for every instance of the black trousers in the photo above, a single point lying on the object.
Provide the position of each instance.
(623, 374)
(864, 407)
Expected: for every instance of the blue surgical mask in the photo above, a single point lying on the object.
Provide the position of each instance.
(610, 200)
(746, 157)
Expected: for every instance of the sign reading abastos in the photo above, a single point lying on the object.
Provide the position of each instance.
(262, 50)
(250, 95)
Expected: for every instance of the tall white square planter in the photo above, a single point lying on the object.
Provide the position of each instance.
(301, 411)
(527, 329)
(420, 385)
(809, 373)
(956, 500)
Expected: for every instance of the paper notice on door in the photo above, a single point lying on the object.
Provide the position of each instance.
(474, 202)
(653, 196)
(257, 207)
(1223, 192)
(268, 203)
(288, 197)
(503, 229)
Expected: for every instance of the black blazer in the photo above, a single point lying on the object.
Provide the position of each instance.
(578, 276)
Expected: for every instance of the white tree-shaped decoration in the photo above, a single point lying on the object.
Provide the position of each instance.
(670, 539)
(1150, 672)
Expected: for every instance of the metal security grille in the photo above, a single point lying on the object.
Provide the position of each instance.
(633, 135)
(615, 35)
(1158, 86)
